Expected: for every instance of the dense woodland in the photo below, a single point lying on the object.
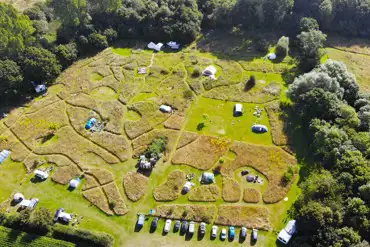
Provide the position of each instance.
(35, 46)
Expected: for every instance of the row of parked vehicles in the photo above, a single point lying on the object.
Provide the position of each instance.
(189, 228)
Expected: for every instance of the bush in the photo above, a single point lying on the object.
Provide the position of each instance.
(98, 41)
(41, 220)
(111, 34)
(307, 24)
(262, 45)
(66, 54)
(282, 47)
(196, 72)
(201, 126)
(288, 176)
(82, 237)
(250, 83)
(35, 13)
(188, 94)
(157, 146)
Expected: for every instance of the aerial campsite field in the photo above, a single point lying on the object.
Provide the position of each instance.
(202, 135)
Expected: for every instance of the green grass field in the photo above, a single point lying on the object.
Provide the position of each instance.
(219, 121)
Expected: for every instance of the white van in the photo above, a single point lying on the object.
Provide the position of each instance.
(287, 233)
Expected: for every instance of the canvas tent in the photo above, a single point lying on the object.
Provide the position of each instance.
(29, 203)
(74, 183)
(187, 187)
(142, 71)
(271, 56)
(63, 216)
(3, 155)
(90, 123)
(210, 71)
(207, 178)
(174, 45)
(41, 174)
(165, 108)
(156, 47)
(18, 197)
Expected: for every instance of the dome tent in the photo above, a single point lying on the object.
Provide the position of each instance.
(18, 197)
(73, 184)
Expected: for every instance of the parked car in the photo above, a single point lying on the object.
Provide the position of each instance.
(154, 224)
(259, 128)
(254, 234)
(243, 232)
(141, 220)
(202, 229)
(214, 231)
(191, 227)
(177, 226)
(167, 226)
(231, 232)
(184, 227)
(223, 234)
(287, 233)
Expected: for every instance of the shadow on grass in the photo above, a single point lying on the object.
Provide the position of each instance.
(188, 236)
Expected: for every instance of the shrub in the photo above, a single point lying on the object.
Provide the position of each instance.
(250, 83)
(282, 47)
(157, 146)
(196, 72)
(201, 126)
(67, 54)
(111, 34)
(288, 176)
(188, 94)
(262, 45)
(82, 237)
(41, 220)
(98, 41)
(307, 24)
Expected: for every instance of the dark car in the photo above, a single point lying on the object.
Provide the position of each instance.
(154, 224)
(258, 128)
(184, 227)
(177, 226)
(202, 229)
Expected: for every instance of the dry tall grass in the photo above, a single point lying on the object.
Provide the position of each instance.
(97, 197)
(251, 195)
(277, 123)
(136, 185)
(205, 193)
(203, 153)
(116, 203)
(248, 216)
(272, 162)
(171, 189)
(231, 191)
(199, 213)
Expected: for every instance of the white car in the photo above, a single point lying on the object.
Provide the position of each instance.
(223, 234)
(254, 234)
(214, 231)
(287, 233)
(167, 226)
(191, 227)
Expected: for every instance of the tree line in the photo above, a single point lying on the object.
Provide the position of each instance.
(333, 209)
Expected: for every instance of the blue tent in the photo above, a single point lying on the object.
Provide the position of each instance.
(90, 123)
